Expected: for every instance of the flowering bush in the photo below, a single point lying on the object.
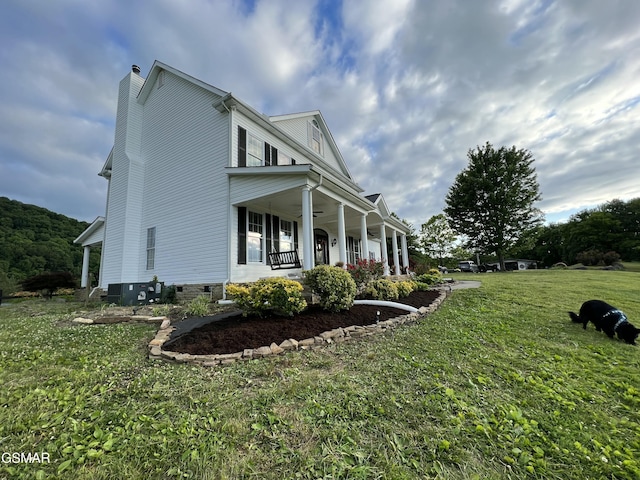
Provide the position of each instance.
(364, 271)
(268, 295)
(405, 288)
(334, 286)
(382, 289)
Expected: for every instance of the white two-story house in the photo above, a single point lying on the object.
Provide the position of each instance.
(202, 189)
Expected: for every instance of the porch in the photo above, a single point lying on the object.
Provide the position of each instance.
(294, 208)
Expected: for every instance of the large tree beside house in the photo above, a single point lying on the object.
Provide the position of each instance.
(491, 201)
(203, 190)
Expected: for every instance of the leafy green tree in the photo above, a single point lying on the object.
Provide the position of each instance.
(437, 237)
(491, 201)
(35, 240)
(49, 283)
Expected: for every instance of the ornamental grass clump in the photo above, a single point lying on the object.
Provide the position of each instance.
(267, 296)
(198, 307)
(382, 289)
(334, 286)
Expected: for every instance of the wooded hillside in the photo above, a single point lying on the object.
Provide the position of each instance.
(35, 240)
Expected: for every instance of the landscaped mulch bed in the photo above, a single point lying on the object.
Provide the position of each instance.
(240, 333)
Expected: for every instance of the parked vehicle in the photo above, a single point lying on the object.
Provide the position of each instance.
(468, 266)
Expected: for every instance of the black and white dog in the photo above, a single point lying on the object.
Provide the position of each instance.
(606, 318)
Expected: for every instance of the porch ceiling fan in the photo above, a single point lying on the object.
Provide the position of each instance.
(315, 212)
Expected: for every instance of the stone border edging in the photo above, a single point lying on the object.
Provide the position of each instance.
(337, 335)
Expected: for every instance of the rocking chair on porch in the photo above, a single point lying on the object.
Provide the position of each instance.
(283, 260)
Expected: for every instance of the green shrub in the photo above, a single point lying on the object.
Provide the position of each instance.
(268, 295)
(198, 307)
(161, 310)
(431, 278)
(333, 285)
(382, 289)
(168, 295)
(405, 287)
(422, 287)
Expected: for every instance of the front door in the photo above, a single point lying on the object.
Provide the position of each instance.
(321, 240)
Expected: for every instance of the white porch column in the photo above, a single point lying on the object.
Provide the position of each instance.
(394, 246)
(84, 281)
(363, 237)
(342, 237)
(383, 250)
(308, 260)
(405, 251)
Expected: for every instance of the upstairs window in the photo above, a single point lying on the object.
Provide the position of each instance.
(315, 137)
(255, 149)
(284, 159)
(254, 152)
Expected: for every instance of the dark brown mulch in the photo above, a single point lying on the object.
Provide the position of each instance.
(239, 333)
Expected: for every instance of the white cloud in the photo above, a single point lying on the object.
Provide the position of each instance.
(407, 87)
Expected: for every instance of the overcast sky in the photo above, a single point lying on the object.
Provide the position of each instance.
(406, 87)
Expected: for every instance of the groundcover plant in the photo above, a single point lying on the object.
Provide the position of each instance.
(498, 383)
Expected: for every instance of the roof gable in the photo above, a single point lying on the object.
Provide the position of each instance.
(153, 76)
(378, 200)
(296, 121)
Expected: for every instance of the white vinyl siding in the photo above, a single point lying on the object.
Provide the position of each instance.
(173, 180)
(185, 148)
(120, 250)
(299, 129)
(247, 188)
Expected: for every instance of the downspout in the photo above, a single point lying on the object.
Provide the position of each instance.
(229, 226)
(316, 186)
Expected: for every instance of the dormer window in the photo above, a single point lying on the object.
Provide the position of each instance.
(316, 141)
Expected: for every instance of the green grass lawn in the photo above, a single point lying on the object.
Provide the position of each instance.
(497, 384)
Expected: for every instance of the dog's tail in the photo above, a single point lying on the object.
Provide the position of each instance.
(576, 319)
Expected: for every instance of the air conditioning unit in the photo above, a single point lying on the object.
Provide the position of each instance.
(138, 293)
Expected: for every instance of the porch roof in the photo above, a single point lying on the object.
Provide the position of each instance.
(93, 234)
(278, 189)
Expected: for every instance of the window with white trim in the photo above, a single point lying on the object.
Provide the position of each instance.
(151, 248)
(255, 230)
(315, 137)
(353, 250)
(255, 150)
(284, 159)
(286, 236)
